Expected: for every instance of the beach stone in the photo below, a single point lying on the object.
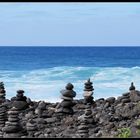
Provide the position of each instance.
(125, 100)
(126, 94)
(135, 96)
(66, 98)
(66, 103)
(21, 105)
(111, 100)
(68, 93)
(51, 120)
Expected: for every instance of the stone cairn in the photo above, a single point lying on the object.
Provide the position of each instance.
(12, 127)
(132, 88)
(2, 93)
(88, 92)
(83, 128)
(20, 100)
(31, 128)
(88, 114)
(67, 95)
(3, 118)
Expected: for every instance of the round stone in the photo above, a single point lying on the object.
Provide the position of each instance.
(68, 93)
(69, 86)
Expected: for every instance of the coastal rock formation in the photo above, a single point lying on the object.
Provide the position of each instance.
(67, 95)
(12, 128)
(2, 93)
(20, 101)
(88, 92)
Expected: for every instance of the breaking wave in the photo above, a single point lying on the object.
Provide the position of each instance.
(45, 84)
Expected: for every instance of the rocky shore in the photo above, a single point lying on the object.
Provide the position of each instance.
(21, 117)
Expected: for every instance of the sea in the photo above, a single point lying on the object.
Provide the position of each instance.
(43, 71)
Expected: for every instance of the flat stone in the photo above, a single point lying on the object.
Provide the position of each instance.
(66, 98)
(111, 100)
(126, 94)
(68, 93)
(125, 100)
(82, 127)
(2, 114)
(13, 135)
(30, 125)
(83, 131)
(31, 128)
(66, 103)
(13, 112)
(13, 119)
(88, 93)
(12, 123)
(11, 129)
(51, 120)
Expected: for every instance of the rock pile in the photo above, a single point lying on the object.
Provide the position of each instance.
(3, 118)
(88, 92)
(31, 128)
(83, 127)
(88, 114)
(20, 101)
(2, 93)
(12, 128)
(67, 95)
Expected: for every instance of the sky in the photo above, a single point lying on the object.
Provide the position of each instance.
(70, 24)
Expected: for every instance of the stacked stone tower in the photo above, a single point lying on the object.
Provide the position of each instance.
(67, 95)
(20, 100)
(2, 93)
(132, 87)
(12, 128)
(88, 92)
(3, 118)
(31, 128)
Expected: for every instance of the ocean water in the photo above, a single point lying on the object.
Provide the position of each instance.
(43, 71)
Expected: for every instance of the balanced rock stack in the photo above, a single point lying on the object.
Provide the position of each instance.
(67, 95)
(3, 118)
(88, 92)
(12, 128)
(134, 94)
(83, 128)
(88, 114)
(2, 93)
(31, 128)
(20, 100)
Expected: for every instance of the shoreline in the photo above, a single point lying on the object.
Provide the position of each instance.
(109, 116)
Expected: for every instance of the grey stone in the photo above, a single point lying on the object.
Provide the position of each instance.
(111, 100)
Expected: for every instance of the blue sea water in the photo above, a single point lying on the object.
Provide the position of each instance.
(43, 71)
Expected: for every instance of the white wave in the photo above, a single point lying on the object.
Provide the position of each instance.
(46, 84)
